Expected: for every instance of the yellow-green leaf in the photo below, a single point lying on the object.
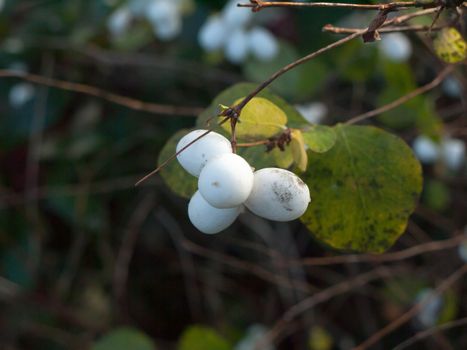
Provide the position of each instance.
(260, 118)
(450, 46)
(319, 138)
(363, 190)
(283, 159)
(298, 150)
(202, 338)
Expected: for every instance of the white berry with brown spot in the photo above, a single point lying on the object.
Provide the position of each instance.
(226, 181)
(196, 156)
(208, 219)
(278, 195)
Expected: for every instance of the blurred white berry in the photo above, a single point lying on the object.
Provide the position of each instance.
(236, 49)
(452, 87)
(234, 16)
(313, 112)
(462, 250)
(429, 314)
(255, 337)
(2, 4)
(453, 153)
(168, 28)
(159, 10)
(396, 46)
(425, 149)
(213, 34)
(119, 21)
(263, 44)
(20, 94)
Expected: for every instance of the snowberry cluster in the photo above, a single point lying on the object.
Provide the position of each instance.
(227, 183)
(228, 31)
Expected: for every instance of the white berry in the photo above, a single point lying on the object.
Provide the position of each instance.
(213, 34)
(278, 195)
(396, 46)
(208, 219)
(195, 156)
(426, 150)
(263, 44)
(453, 153)
(236, 49)
(226, 181)
(234, 16)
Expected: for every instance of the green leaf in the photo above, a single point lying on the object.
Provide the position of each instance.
(202, 338)
(363, 190)
(124, 338)
(233, 93)
(178, 180)
(319, 138)
(259, 119)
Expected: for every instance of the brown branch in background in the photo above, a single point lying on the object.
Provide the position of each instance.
(414, 28)
(100, 93)
(425, 88)
(447, 283)
(327, 294)
(388, 257)
(258, 5)
(426, 333)
(127, 247)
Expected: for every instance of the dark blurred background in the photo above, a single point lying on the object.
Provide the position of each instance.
(89, 261)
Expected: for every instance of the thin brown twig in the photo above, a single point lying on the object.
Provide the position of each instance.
(425, 88)
(101, 93)
(327, 294)
(414, 28)
(294, 64)
(127, 247)
(252, 268)
(388, 257)
(173, 156)
(257, 5)
(426, 333)
(412, 312)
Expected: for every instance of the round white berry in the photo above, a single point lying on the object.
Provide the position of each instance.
(396, 46)
(425, 149)
(195, 157)
(213, 34)
(208, 219)
(236, 48)
(429, 314)
(278, 195)
(158, 11)
(262, 44)
(119, 21)
(234, 16)
(453, 153)
(226, 181)
(21, 93)
(313, 112)
(168, 28)
(452, 87)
